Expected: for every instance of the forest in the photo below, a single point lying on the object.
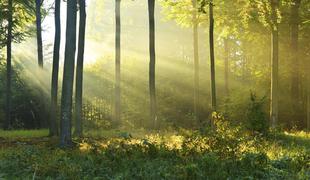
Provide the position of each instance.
(155, 89)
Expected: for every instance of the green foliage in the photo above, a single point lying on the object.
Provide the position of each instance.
(257, 121)
(192, 156)
(27, 108)
(23, 20)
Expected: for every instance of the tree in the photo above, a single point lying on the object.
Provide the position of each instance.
(79, 71)
(295, 62)
(226, 64)
(39, 33)
(151, 10)
(68, 75)
(53, 128)
(212, 60)
(117, 110)
(274, 64)
(188, 18)
(15, 18)
(7, 123)
(196, 60)
(308, 95)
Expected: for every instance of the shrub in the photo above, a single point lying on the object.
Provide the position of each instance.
(257, 121)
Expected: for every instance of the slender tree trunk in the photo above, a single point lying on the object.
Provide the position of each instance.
(39, 33)
(295, 62)
(79, 71)
(274, 66)
(308, 95)
(7, 123)
(212, 60)
(226, 64)
(54, 90)
(196, 61)
(68, 75)
(151, 9)
(117, 108)
(42, 101)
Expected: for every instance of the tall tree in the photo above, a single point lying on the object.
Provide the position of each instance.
(196, 60)
(226, 65)
(117, 108)
(295, 62)
(68, 75)
(308, 94)
(274, 64)
(212, 60)
(7, 123)
(39, 33)
(54, 90)
(151, 10)
(79, 71)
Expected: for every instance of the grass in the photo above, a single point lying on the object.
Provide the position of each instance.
(139, 154)
(14, 134)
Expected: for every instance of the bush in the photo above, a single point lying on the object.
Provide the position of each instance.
(257, 121)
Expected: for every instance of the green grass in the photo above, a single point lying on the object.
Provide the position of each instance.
(184, 154)
(23, 133)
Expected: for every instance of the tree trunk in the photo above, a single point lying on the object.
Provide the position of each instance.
(151, 10)
(212, 60)
(79, 71)
(274, 66)
(117, 108)
(226, 64)
(7, 123)
(68, 75)
(295, 62)
(196, 61)
(39, 33)
(308, 95)
(54, 90)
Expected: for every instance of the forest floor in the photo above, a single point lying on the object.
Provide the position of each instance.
(138, 154)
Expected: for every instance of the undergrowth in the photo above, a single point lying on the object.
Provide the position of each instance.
(222, 152)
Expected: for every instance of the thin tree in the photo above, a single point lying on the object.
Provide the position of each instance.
(53, 128)
(7, 123)
(79, 71)
(274, 64)
(68, 75)
(226, 66)
(308, 95)
(295, 62)
(152, 86)
(212, 60)
(196, 60)
(39, 33)
(117, 108)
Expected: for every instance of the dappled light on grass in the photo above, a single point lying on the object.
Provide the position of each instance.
(168, 155)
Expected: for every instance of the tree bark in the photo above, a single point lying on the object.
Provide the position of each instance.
(79, 71)
(117, 108)
(308, 94)
(7, 123)
(226, 64)
(196, 61)
(212, 60)
(53, 129)
(274, 65)
(151, 10)
(295, 62)
(39, 33)
(68, 75)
